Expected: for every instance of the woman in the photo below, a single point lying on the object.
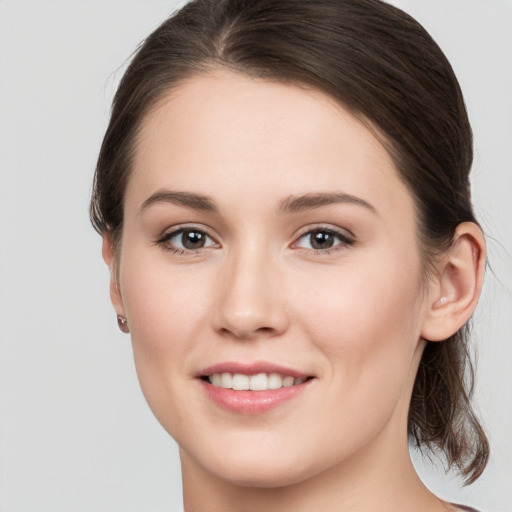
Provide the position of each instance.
(284, 201)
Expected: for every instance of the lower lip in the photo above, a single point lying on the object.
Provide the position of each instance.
(252, 402)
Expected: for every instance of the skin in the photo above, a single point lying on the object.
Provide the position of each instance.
(353, 317)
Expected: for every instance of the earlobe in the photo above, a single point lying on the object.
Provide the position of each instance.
(455, 290)
(109, 257)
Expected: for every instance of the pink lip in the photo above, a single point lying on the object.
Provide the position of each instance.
(252, 402)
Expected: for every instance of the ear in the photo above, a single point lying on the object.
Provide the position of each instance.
(109, 256)
(455, 289)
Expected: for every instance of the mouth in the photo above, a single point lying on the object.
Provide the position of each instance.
(252, 389)
(257, 382)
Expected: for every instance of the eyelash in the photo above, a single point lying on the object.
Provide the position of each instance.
(344, 240)
(164, 240)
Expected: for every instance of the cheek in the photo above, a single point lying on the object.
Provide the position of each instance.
(365, 324)
(166, 306)
(365, 320)
(159, 296)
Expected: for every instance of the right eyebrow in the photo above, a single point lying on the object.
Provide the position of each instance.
(317, 200)
(187, 199)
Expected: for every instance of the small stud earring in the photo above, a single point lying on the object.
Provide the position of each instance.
(122, 323)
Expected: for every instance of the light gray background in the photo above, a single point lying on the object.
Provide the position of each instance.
(75, 432)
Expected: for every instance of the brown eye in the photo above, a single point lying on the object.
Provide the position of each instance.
(193, 239)
(323, 239)
(187, 239)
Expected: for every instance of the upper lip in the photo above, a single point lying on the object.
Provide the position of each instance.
(251, 369)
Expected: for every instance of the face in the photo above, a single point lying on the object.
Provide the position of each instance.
(269, 243)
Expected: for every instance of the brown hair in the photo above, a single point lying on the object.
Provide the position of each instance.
(386, 69)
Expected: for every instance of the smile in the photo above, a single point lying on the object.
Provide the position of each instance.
(258, 382)
(252, 389)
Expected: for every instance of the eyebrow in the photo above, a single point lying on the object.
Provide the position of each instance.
(291, 204)
(294, 204)
(187, 199)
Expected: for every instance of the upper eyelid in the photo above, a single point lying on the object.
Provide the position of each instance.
(327, 227)
(346, 240)
(174, 230)
(163, 241)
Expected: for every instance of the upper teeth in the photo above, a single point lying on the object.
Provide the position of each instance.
(259, 382)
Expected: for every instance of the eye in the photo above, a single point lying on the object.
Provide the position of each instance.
(187, 239)
(322, 239)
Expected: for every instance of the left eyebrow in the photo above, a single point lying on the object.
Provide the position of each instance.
(294, 204)
(186, 199)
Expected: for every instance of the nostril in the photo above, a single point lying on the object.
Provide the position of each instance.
(265, 330)
(243, 333)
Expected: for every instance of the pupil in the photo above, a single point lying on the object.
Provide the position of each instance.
(192, 240)
(321, 240)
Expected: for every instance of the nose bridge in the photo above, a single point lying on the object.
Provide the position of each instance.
(250, 304)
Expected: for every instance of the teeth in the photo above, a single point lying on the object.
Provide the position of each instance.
(259, 382)
(275, 381)
(288, 381)
(240, 382)
(226, 380)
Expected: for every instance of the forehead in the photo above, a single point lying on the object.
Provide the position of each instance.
(223, 131)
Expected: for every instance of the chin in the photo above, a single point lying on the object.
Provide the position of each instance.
(263, 467)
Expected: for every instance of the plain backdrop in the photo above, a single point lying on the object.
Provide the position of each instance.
(75, 432)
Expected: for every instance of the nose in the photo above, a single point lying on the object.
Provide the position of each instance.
(251, 301)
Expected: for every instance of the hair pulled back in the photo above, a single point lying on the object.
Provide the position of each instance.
(385, 68)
